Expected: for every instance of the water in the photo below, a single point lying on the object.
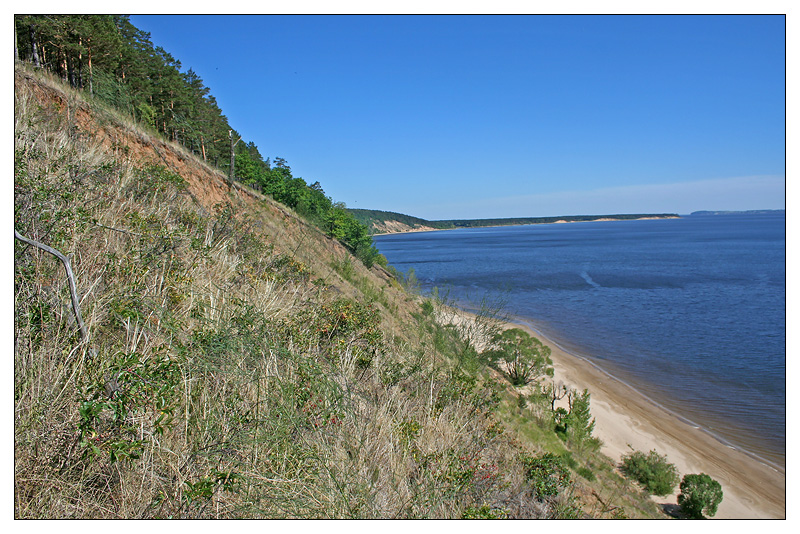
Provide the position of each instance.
(690, 311)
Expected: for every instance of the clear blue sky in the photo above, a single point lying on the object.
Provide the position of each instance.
(493, 116)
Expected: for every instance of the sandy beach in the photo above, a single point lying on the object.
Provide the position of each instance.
(752, 490)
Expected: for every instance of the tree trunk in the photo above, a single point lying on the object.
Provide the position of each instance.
(79, 76)
(233, 155)
(91, 80)
(35, 48)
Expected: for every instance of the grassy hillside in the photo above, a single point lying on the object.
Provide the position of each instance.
(237, 362)
(380, 222)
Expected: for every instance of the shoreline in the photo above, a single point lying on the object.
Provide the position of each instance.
(625, 418)
(429, 229)
(525, 323)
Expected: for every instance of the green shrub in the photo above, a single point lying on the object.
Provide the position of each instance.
(346, 320)
(699, 494)
(576, 425)
(652, 471)
(548, 474)
(132, 385)
(586, 473)
(344, 268)
(484, 512)
(524, 357)
(407, 431)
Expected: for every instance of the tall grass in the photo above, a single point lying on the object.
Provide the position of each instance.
(238, 363)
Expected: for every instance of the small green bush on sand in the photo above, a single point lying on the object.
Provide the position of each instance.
(652, 471)
(699, 494)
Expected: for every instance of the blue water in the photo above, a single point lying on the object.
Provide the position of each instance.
(690, 311)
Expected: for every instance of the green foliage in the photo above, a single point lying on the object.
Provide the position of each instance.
(458, 386)
(392, 372)
(204, 487)
(134, 389)
(524, 358)
(463, 470)
(370, 217)
(580, 423)
(345, 269)
(408, 280)
(348, 319)
(156, 179)
(569, 510)
(407, 431)
(700, 494)
(284, 267)
(586, 473)
(577, 424)
(547, 473)
(484, 512)
(652, 471)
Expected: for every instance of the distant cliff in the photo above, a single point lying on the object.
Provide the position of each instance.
(384, 222)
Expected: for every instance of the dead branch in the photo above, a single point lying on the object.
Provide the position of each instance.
(70, 277)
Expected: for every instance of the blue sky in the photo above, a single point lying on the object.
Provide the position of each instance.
(494, 116)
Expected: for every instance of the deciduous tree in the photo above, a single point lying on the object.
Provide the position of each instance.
(523, 357)
(700, 494)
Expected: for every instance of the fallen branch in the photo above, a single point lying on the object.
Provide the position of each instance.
(70, 277)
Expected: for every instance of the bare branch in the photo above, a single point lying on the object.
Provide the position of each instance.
(70, 277)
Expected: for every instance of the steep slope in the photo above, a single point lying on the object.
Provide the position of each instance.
(239, 363)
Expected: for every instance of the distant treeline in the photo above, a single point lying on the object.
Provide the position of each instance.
(371, 218)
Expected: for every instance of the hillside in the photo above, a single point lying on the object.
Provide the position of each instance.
(235, 361)
(383, 222)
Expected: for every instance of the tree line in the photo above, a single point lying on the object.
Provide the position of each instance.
(117, 63)
(372, 217)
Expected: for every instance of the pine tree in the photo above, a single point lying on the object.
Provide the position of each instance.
(579, 422)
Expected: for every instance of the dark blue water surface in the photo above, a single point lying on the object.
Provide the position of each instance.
(690, 311)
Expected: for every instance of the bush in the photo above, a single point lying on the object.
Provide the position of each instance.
(699, 493)
(484, 512)
(524, 357)
(586, 473)
(548, 474)
(652, 471)
(576, 425)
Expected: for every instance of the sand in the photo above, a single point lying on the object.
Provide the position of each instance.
(751, 489)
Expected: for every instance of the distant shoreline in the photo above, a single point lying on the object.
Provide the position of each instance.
(411, 230)
(745, 212)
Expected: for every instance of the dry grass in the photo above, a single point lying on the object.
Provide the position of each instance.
(255, 369)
